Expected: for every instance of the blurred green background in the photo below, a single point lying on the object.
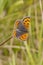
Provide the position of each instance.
(16, 52)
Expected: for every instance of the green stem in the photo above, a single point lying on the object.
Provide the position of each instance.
(29, 53)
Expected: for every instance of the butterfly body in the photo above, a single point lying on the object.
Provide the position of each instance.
(21, 31)
(21, 27)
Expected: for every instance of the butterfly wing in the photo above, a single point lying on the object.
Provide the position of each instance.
(17, 22)
(23, 36)
(21, 27)
(26, 22)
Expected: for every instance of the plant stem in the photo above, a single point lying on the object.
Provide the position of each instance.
(29, 53)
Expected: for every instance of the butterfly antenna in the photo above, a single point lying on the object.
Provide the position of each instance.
(5, 41)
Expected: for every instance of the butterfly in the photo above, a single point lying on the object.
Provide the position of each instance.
(22, 27)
